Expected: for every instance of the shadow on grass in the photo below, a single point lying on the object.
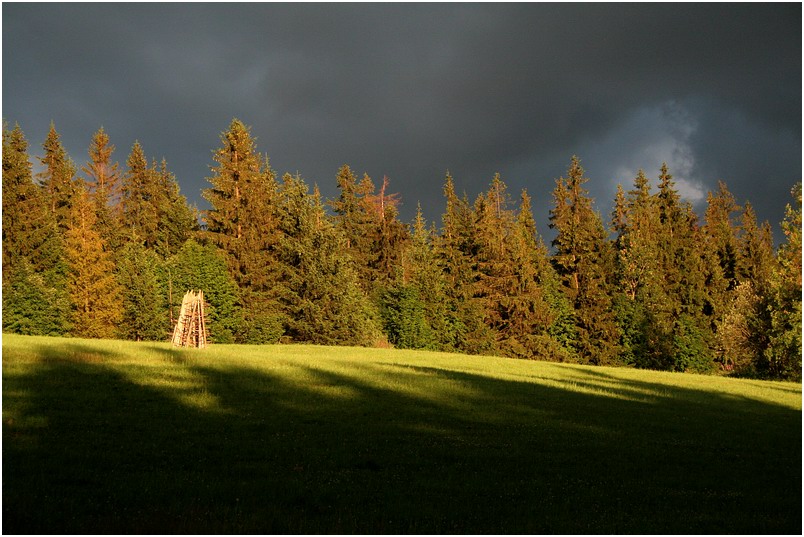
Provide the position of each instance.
(193, 447)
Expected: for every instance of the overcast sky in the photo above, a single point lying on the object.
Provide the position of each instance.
(411, 91)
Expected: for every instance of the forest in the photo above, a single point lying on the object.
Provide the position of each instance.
(104, 251)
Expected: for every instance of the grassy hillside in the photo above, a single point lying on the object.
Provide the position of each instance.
(108, 436)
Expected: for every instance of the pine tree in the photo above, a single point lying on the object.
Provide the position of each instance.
(323, 301)
(203, 267)
(34, 295)
(177, 221)
(388, 233)
(755, 250)
(103, 182)
(28, 225)
(782, 357)
(244, 223)
(58, 179)
(140, 191)
(457, 251)
(412, 307)
(583, 260)
(30, 305)
(743, 332)
(685, 308)
(144, 305)
(94, 291)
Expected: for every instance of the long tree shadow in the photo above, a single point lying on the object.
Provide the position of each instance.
(388, 448)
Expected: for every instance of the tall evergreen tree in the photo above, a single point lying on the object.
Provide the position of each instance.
(58, 178)
(323, 300)
(204, 267)
(457, 250)
(144, 305)
(140, 191)
(177, 220)
(244, 223)
(94, 291)
(103, 182)
(686, 305)
(583, 259)
(755, 250)
(782, 357)
(28, 225)
(34, 295)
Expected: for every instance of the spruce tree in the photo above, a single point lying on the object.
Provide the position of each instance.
(323, 301)
(244, 223)
(144, 305)
(95, 294)
(782, 357)
(34, 295)
(755, 260)
(140, 191)
(457, 251)
(583, 260)
(177, 221)
(686, 308)
(423, 270)
(203, 267)
(28, 225)
(58, 179)
(103, 182)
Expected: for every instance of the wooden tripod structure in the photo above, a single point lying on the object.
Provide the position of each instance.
(191, 328)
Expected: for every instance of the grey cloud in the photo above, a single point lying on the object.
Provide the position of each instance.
(413, 90)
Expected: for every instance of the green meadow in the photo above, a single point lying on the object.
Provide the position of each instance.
(122, 437)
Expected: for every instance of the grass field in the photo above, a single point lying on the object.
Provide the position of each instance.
(122, 437)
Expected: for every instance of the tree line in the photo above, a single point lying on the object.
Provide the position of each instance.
(105, 252)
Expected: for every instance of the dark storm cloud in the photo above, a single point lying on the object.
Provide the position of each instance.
(413, 90)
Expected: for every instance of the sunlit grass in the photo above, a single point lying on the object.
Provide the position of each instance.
(308, 439)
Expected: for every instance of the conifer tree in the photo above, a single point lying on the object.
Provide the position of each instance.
(413, 307)
(103, 182)
(755, 250)
(646, 328)
(351, 215)
(28, 225)
(144, 306)
(140, 191)
(177, 220)
(583, 260)
(323, 300)
(34, 296)
(782, 357)
(94, 291)
(423, 269)
(389, 234)
(685, 309)
(457, 250)
(203, 267)
(58, 179)
(244, 223)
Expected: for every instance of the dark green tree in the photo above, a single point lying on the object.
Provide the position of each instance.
(782, 357)
(29, 229)
(140, 192)
(145, 307)
(583, 259)
(34, 290)
(204, 267)
(244, 223)
(323, 301)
